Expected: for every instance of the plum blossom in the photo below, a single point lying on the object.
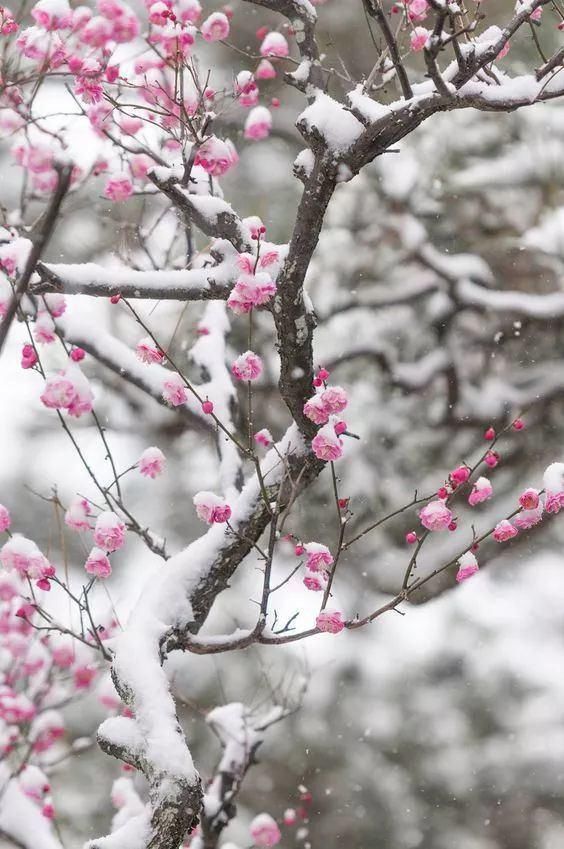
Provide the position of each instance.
(481, 491)
(435, 516)
(247, 366)
(76, 516)
(318, 556)
(44, 329)
(246, 89)
(315, 410)
(34, 783)
(211, 508)
(553, 480)
(265, 70)
(264, 831)
(109, 531)
(315, 581)
(258, 124)
(98, 564)
(330, 621)
(418, 38)
(5, 519)
(504, 530)
(174, 390)
(52, 14)
(334, 399)
(274, 44)
(22, 555)
(151, 462)
(118, 189)
(68, 390)
(251, 290)
(326, 445)
(216, 156)
(529, 499)
(263, 437)
(467, 566)
(459, 475)
(215, 27)
(528, 518)
(148, 351)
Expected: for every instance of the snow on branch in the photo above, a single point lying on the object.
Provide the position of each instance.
(542, 307)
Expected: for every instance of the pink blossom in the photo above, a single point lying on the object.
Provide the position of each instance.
(274, 44)
(553, 480)
(83, 676)
(318, 556)
(56, 304)
(174, 390)
(264, 831)
(418, 10)
(504, 530)
(265, 70)
(334, 399)
(23, 556)
(118, 188)
(468, 566)
(529, 499)
(315, 581)
(459, 475)
(109, 531)
(257, 229)
(251, 290)
(247, 366)
(58, 392)
(90, 90)
(148, 351)
(528, 518)
(263, 437)
(63, 654)
(290, 816)
(330, 621)
(211, 508)
(435, 516)
(5, 519)
(315, 410)
(215, 27)
(29, 356)
(189, 10)
(130, 125)
(44, 329)
(481, 491)
(98, 564)
(326, 445)
(258, 124)
(141, 165)
(152, 462)
(418, 38)
(216, 156)
(411, 537)
(52, 14)
(9, 26)
(76, 517)
(246, 89)
(158, 13)
(34, 783)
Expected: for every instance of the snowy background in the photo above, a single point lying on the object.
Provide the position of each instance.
(440, 729)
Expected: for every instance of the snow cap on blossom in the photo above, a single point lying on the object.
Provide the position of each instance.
(263, 437)
(264, 831)
(174, 390)
(529, 499)
(481, 491)
(315, 410)
(251, 290)
(246, 89)
(318, 556)
(109, 531)
(553, 480)
(330, 621)
(215, 27)
(274, 44)
(63, 651)
(504, 530)
(315, 581)
(216, 156)
(76, 516)
(258, 124)
(211, 508)
(34, 783)
(326, 445)
(435, 516)
(247, 366)
(528, 518)
(418, 38)
(56, 303)
(467, 566)
(118, 189)
(44, 329)
(68, 390)
(151, 463)
(46, 729)
(98, 564)
(23, 556)
(265, 70)
(5, 520)
(334, 399)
